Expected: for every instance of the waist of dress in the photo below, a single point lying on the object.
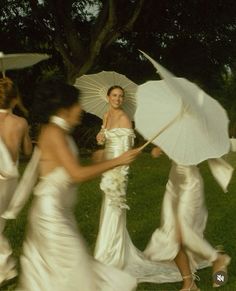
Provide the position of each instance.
(47, 186)
(55, 196)
(113, 152)
(185, 174)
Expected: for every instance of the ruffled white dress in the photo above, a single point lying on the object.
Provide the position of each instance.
(8, 183)
(54, 254)
(114, 246)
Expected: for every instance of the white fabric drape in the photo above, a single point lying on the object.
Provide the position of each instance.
(8, 183)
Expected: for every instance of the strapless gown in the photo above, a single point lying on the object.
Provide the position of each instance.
(114, 246)
(54, 255)
(8, 183)
(184, 215)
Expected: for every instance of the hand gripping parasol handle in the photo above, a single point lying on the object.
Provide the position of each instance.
(162, 130)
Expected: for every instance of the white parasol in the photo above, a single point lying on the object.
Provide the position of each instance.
(94, 89)
(189, 125)
(19, 61)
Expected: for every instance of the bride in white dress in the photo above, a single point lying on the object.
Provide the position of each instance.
(54, 254)
(180, 238)
(114, 246)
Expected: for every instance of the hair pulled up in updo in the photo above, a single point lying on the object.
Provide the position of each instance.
(51, 96)
(8, 92)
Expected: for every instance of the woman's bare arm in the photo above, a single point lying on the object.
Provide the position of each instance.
(63, 156)
(26, 143)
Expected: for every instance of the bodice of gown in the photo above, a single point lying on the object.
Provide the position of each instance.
(118, 141)
(114, 182)
(58, 182)
(58, 188)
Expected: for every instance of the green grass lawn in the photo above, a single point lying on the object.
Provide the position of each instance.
(145, 192)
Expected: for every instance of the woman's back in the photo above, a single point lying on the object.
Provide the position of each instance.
(13, 130)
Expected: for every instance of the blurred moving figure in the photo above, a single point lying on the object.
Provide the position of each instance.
(14, 136)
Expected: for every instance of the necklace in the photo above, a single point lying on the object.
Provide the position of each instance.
(62, 123)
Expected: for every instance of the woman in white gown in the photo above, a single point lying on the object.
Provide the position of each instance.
(13, 136)
(114, 246)
(54, 254)
(180, 237)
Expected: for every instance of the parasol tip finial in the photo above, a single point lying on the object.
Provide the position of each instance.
(142, 52)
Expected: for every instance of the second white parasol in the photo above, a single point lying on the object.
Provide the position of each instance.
(94, 87)
(19, 61)
(188, 124)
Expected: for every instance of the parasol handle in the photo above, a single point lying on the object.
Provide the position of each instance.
(161, 131)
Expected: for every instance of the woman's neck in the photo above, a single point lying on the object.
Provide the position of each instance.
(114, 111)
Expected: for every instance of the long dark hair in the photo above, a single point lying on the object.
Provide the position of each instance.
(50, 96)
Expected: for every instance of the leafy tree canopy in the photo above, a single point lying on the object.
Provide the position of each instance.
(195, 39)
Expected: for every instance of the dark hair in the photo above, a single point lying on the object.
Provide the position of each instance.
(50, 96)
(115, 87)
(8, 92)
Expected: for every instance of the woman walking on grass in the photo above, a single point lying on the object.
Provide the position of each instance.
(54, 254)
(180, 238)
(14, 137)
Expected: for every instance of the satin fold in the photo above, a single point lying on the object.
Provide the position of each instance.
(24, 188)
(221, 171)
(8, 183)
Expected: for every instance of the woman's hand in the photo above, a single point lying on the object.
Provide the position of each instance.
(100, 137)
(156, 152)
(128, 157)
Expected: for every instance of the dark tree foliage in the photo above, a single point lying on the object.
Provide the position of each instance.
(195, 39)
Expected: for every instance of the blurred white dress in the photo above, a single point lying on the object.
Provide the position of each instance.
(184, 215)
(54, 254)
(8, 183)
(114, 246)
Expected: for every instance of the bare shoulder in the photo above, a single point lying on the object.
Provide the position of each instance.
(52, 131)
(19, 121)
(124, 120)
(105, 117)
(51, 135)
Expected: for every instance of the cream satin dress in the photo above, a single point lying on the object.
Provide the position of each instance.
(8, 183)
(184, 217)
(54, 255)
(114, 246)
